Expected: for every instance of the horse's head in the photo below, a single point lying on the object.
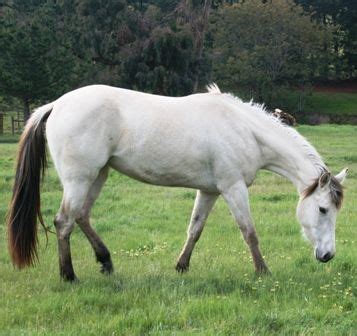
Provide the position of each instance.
(317, 212)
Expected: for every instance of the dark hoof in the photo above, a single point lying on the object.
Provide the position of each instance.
(69, 277)
(106, 261)
(107, 268)
(263, 271)
(182, 268)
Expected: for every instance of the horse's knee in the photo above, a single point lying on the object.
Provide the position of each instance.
(249, 234)
(252, 238)
(64, 228)
(58, 222)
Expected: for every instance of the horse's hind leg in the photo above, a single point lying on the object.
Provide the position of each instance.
(74, 195)
(101, 252)
(203, 205)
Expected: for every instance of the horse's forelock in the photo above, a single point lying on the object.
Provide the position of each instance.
(310, 189)
(336, 190)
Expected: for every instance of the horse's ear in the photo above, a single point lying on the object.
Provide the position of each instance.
(324, 179)
(341, 176)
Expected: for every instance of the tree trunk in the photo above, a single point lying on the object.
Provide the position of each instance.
(196, 15)
(26, 103)
(200, 30)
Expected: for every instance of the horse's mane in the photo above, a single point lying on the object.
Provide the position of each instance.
(260, 112)
(213, 88)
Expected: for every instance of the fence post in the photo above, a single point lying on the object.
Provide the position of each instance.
(18, 119)
(12, 125)
(1, 123)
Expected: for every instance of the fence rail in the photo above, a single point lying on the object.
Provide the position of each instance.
(16, 122)
(1, 123)
(11, 123)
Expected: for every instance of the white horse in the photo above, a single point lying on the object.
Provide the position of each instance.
(212, 142)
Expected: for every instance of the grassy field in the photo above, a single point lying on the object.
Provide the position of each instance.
(322, 103)
(331, 103)
(144, 227)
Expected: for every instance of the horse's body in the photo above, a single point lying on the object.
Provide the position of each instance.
(212, 142)
(192, 141)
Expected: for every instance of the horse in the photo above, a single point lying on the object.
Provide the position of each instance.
(212, 142)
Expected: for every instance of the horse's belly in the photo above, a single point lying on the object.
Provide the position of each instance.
(169, 174)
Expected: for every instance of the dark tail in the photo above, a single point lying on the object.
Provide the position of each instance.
(25, 204)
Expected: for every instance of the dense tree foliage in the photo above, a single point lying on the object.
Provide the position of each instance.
(139, 45)
(36, 62)
(344, 14)
(173, 47)
(263, 47)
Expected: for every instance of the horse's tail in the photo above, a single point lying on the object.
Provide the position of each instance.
(25, 203)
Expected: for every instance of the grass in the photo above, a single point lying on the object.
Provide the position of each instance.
(336, 104)
(144, 227)
(341, 105)
(331, 103)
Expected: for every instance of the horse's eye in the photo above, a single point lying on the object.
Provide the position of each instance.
(323, 210)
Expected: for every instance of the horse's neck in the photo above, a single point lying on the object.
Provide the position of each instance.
(291, 156)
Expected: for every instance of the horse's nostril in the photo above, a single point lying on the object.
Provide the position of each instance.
(323, 257)
(326, 257)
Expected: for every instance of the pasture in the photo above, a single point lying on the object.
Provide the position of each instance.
(145, 227)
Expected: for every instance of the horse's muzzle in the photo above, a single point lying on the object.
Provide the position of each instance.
(323, 257)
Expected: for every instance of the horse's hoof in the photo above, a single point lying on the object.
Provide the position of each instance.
(182, 268)
(263, 272)
(69, 278)
(106, 268)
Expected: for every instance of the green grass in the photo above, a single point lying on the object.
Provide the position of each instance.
(332, 103)
(341, 105)
(144, 227)
(322, 103)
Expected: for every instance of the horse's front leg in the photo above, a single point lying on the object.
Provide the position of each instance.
(238, 201)
(203, 205)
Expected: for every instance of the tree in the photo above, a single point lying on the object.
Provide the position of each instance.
(165, 65)
(139, 45)
(196, 13)
(156, 46)
(344, 14)
(262, 47)
(35, 63)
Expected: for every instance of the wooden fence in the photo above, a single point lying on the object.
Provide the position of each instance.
(1, 123)
(16, 124)
(8, 122)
